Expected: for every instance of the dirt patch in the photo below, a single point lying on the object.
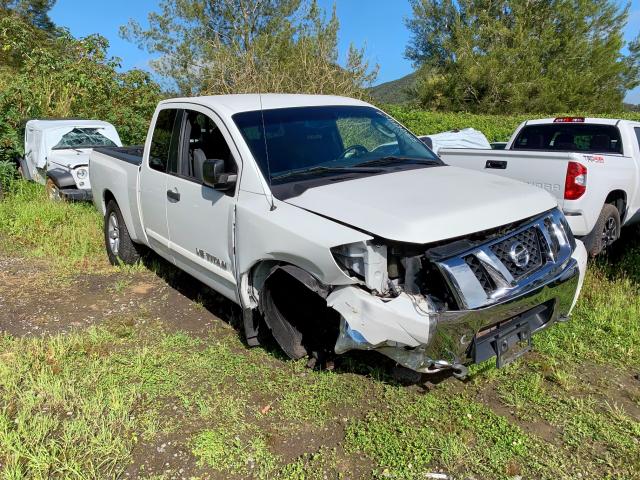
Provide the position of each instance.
(36, 300)
(613, 387)
(544, 430)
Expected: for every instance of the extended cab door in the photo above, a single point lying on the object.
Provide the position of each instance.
(163, 153)
(201, 218)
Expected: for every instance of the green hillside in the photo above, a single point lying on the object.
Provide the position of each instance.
(395, 91)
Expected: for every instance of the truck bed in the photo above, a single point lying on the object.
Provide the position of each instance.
(132, 154)
(113, 172)
(548, 170)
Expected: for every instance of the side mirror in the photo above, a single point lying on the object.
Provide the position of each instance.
(213, 175)
(427, 141)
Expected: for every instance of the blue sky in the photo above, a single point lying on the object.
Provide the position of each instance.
(376, 24)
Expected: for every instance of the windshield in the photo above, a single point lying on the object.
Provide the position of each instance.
(327, 140)
(83, 138)
(565, 137)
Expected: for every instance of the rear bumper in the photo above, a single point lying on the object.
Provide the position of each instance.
(426, 340)
(76, 194)
(578, 223)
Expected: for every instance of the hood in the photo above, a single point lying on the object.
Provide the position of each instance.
(70, 158)
(427, 204)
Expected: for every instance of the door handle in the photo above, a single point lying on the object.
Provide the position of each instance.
(497, 164)
(173, 195)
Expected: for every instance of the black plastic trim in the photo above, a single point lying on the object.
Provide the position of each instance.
(62, 178)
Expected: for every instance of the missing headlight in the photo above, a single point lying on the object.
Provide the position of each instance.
(366, 261)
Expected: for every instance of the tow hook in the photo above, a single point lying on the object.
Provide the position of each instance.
(460, 371)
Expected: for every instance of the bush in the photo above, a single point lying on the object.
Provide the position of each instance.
(65, 77)
(8, 174)
(497, 128)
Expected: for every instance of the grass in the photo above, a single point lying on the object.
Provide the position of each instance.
(92, 403)
(69, 234)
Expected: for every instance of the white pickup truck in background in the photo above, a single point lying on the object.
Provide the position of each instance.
(57, 154)
(591, 165)
(341, 229)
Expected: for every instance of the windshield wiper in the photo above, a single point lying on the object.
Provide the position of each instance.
(391, 159)
(320, 169)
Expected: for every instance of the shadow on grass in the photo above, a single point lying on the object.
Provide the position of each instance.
(366, 363)
(623, 257)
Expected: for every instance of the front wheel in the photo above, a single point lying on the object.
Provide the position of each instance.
(605, 232)
(120, 248)
(53, 191)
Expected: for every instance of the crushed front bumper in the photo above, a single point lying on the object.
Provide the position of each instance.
(410, 331)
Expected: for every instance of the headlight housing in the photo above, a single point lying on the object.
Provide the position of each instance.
(365, 261)
(82, 173)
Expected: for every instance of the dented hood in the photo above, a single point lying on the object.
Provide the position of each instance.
(70, 158)
(427, 204)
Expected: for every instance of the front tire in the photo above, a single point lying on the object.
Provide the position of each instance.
(53, 191)
(605, 232)
(120, 248)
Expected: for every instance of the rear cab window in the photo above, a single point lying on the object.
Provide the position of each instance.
(570, 137)
(164, 142)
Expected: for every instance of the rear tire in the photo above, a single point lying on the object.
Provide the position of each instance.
(120, 248)
(605, 232)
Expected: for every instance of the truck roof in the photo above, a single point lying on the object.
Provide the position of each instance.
(601, 121)
(232, 104)
(47, 124)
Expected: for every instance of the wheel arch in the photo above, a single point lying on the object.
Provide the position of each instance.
(304, 327)
(107, 196)
(618, 198)
(253, 280)
(62, 178)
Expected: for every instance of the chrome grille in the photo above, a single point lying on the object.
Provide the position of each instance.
(530, 239)
(509, 265)
(479, 271)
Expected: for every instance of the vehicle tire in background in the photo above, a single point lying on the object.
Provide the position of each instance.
(605, 232)
(120, 248)
(53, 191)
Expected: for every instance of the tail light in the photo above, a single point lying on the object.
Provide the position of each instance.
(575, 183)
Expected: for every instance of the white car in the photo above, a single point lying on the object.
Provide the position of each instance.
(57, 154)
(591, 165)
(341, 229)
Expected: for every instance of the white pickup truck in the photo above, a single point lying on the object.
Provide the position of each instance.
(335, 227)
(57, 154)
(591, 165)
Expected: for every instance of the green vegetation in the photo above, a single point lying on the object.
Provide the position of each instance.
(50, 74)
(87, 404)
(284, 46)
(102, 400)
(495, 127)
(519, 56)
(68, 234)
(395, 92)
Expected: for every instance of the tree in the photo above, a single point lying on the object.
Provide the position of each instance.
(236, 46)
(35, 12)
(68, 77)
(529, 56)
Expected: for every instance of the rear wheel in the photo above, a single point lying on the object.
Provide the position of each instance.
(120, 248)
(605, 232)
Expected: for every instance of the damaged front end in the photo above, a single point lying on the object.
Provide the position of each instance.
(444, 306)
